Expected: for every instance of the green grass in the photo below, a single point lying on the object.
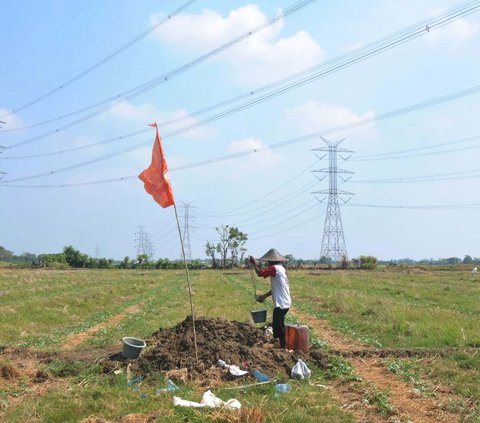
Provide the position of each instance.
(395, 309)
(111, 397)
(410, 371)
(401, 308)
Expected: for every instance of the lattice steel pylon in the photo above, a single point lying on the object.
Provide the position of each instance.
(333, 240)
(186, 229)
(143, 243)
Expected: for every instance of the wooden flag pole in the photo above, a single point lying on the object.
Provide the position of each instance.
(189, 284)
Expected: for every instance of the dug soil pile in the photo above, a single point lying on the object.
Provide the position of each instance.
(236, 343)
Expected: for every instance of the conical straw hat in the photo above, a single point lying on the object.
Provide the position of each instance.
(272, 255)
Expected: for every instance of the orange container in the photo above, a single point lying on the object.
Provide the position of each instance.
(296, 338)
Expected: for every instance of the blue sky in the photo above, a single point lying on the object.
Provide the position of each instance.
(68, 69)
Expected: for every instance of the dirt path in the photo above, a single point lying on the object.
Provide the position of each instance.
(22, 378)
(407, 404)
(73, 341)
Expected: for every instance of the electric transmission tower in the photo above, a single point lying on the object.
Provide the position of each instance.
(333, 240)
(143, 243)
(186, 229)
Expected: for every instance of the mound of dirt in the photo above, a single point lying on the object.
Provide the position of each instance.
(234, 342)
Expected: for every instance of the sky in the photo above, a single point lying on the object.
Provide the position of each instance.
(243, 93)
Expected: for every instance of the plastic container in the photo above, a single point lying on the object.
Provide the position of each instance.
(260, 376)
(132, 347)
(259, 316)
(283, 387)
(296, 338)
(170, 387)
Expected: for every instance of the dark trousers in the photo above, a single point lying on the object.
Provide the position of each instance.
(278, 324)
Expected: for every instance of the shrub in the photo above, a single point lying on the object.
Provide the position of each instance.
(368, 262)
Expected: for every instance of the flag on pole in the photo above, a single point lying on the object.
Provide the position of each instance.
(155, 177)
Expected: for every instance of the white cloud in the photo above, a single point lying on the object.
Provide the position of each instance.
(12, 121)
(314, 116)
(261, 58)
(168, 122)
(209, 29)
(454, 34)
(134, 113)
(263, 156)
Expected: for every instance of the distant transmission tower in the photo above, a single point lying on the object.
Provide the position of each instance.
(186, 230)
(333, 240)
(143, 243)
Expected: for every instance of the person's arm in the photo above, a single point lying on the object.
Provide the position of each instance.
(270, 271)
(262, 298)
(258, 271)
(264, 273)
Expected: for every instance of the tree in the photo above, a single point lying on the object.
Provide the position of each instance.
(236, 242)
(28, 257)
(142, 260)
(467, 260)
(210, 250)
(231, 244)
(222, 246)
(325, 260)
(5, 255)
(126, 263)
(74, 258)
(52, 260)
(104, 263)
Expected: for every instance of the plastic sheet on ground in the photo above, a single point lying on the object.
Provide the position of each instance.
(209, 400)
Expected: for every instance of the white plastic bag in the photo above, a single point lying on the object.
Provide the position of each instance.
(234, 370)
(300, 370)
(208, 400)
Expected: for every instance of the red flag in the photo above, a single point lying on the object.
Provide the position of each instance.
(155, 177)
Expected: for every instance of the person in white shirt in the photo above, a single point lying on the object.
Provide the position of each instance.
(280, 290)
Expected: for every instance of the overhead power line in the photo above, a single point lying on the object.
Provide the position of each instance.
(254, 217)
(140, 89)
(101, 61)
(240, 210)
(299, 79)
(466, 174)
(383, 116)
(283, 230)
(431, 207)
(397, 154)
